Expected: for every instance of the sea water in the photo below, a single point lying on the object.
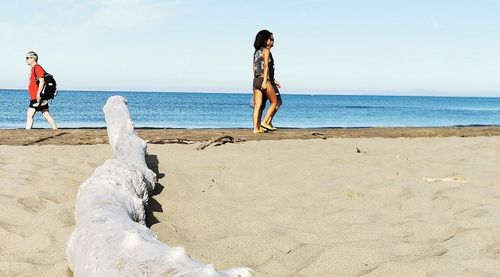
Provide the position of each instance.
(76, 109)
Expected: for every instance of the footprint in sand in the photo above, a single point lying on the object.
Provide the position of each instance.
(38, 203)
(492, 251)
(54, 198)
(67, 217)
(32, 203)
(355, 194)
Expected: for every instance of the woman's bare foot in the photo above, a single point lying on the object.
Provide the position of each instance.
(260, 130)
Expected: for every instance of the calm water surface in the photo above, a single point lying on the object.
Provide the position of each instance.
(224, 110)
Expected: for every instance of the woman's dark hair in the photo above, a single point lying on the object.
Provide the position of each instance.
(261, 39)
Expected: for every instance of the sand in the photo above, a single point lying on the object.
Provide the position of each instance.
(410, 206)
(166, 136)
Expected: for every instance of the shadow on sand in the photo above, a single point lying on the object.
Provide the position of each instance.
(153, 205)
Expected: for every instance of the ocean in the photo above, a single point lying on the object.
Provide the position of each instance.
(78, 109)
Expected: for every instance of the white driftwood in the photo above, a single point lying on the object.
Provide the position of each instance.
(110, 238)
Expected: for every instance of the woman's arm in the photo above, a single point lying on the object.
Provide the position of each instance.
(265, 54)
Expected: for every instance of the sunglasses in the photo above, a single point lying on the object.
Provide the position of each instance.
(29, 58)
(272, 39)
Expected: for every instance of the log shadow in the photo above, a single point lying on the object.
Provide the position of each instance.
(45, 138)
(153, 205)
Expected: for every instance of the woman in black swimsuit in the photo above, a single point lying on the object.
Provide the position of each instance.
(264, 84)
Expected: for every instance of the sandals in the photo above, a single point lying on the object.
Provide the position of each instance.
(268, 127)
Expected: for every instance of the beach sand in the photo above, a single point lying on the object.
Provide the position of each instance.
(349, 205)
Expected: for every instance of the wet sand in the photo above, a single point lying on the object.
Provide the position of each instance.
(164, 136)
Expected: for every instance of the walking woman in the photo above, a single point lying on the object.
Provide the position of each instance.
(264, 84)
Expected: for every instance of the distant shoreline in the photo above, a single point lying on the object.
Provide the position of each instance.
(88, 136)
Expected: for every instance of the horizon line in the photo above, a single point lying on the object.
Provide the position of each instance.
(406, 93)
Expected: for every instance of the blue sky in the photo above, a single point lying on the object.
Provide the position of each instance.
(441, 47)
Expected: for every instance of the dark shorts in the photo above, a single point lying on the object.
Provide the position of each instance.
(39, 108)
(257, 82)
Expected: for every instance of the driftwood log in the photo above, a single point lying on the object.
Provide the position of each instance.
(204, 145)
(110, 238)
(220, 140)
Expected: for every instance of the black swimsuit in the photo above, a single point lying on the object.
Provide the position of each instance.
(258, 64)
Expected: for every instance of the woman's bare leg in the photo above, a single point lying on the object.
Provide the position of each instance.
(273, 100)
(270, 123)
(257, 110)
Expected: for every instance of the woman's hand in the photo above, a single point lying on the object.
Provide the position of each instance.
(278, 84)
(265, 84)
